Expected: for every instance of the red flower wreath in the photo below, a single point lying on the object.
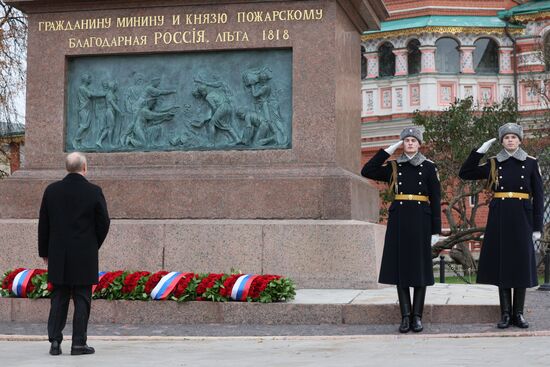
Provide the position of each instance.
(181, 287)
(153, 280)
(207, 282)
(31, 286)
(260, 284)
(107, 280)
(131, 281)
(228, 285)
(8, 280)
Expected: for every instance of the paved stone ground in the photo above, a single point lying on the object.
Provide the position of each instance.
(438, 294)
(25, 344)
(348, 351)
(537, 307)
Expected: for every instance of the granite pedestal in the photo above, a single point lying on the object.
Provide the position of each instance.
(300, 211)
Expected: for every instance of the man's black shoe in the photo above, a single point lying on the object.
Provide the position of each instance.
(55, 348)
(77, 350)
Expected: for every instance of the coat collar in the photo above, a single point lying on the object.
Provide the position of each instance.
(519, 154)
(75, 177)
(415, 161)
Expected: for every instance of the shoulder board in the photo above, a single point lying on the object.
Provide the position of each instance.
(482, 164)
(492, 157)
(529, 156)
(429, 160)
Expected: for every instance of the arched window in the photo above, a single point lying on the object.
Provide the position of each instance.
(486, 56)
(386, 60)
(414, 56)
(447, 59)
(363, 64)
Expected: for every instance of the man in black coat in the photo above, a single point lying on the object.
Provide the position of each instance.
(507, 257)
(414, 223)
(72, 227)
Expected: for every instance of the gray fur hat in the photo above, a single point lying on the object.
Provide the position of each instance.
(411, 131)
(510, 128)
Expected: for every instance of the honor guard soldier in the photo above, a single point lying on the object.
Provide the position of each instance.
(507, 257)
(414, 223)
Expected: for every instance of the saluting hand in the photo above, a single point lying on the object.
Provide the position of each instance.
(435, 239)
(392, 148)
(485, 146)
(45, 261)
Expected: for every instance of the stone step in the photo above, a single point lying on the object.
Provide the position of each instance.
(455, 304)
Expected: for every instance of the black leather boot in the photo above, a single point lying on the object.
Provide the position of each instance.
(418, 308)
(505, 298)
(404, 296)
(517, 315)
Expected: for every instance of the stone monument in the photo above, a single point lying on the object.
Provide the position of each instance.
(225, 134)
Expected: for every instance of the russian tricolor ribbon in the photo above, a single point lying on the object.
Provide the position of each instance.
(99, 276)
(21, 282)
(242, 287)
(166, 284)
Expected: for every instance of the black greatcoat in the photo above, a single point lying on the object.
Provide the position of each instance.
(407, 257)
(507, 257)
(72, 227)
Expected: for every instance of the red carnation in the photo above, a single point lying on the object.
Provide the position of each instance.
(181, 287)
(132, 280)
(260, 284)
(107, 279)
(207, 282)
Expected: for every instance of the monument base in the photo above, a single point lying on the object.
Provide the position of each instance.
(146, 313)
(281, 192)
(314, 253)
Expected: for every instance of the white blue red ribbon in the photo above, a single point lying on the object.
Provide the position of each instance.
(99, 276)
(242, 287)
(21, 282)
(166, 284)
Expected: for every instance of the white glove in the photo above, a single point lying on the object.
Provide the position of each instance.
(435, 239)
(392, 148)
(485, 146)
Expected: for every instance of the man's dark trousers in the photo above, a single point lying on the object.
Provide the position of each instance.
(82, 299)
